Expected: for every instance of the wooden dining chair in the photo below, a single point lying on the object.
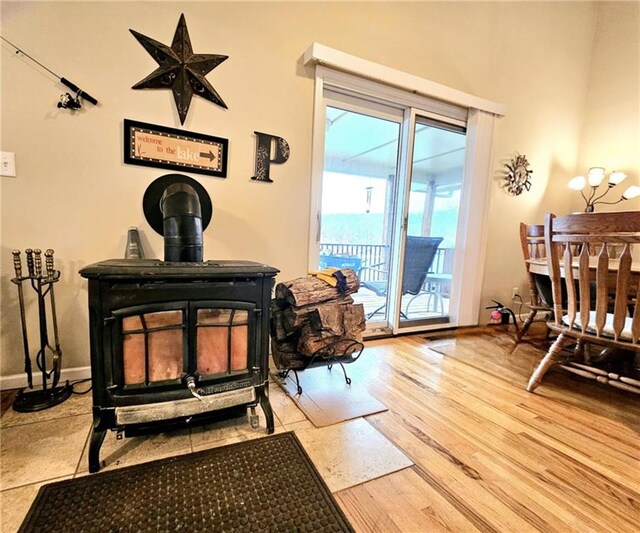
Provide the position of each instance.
(577, 247)
(540, 299)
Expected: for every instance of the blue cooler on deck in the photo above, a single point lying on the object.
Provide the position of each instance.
(340, 261)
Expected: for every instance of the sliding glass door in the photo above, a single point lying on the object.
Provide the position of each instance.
(431, 214)
(359, 184)
(391, 187)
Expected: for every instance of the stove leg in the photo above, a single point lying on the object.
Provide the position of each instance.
(97, 438)
(253, 417)
(266, 407)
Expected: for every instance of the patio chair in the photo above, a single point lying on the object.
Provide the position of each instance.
(418, 258)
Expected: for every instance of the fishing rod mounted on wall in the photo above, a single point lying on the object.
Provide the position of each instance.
(67, 100)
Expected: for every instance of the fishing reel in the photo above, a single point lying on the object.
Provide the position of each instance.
(69, 102)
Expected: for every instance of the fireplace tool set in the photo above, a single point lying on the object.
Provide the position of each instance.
(43, 285)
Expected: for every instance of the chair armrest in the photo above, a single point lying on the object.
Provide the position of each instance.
(373, 269)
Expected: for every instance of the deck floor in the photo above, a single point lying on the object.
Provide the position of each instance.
(423, 306)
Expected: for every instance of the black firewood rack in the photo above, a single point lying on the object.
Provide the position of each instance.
(325, 356)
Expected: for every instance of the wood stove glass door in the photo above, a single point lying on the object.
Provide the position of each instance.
(150, 345)
(225, 338)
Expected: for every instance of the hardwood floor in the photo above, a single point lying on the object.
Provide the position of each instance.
(488, 455)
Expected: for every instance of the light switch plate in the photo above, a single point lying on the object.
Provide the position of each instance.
(8, 164)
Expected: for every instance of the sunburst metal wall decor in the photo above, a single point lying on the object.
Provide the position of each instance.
(518, 175)
(180, 69)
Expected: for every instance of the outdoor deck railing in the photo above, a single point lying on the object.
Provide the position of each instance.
(377, 254)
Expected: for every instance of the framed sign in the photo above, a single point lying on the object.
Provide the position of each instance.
(157, 146)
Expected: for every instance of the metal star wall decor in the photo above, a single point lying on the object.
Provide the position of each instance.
(180, 69)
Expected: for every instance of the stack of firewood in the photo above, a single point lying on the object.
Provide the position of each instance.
(310, 317)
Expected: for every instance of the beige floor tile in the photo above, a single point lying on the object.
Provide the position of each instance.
(216, 444)
(232, 440)
(77, 404)
(284, 408)
(42, 450)
(233, 428)
(299, 426)
(116, 453)
(15, 503)
(351, 453)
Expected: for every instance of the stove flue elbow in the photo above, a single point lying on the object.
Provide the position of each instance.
(178, 208)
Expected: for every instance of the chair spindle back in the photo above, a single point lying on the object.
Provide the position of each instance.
(533, 247)
(599, 287)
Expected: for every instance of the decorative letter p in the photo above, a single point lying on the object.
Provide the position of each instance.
(263, 154)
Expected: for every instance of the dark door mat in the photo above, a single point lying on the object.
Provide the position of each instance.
(266, 484)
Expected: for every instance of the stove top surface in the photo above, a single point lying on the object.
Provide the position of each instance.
(150, 268)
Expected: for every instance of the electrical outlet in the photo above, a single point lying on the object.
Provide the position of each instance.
(8, 164)
(515, 293)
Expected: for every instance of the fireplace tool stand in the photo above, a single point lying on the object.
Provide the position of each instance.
(42, 283)
(326, 356)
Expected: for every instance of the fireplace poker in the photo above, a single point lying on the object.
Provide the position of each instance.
(51, 278)
(17, 265)
(41, 359)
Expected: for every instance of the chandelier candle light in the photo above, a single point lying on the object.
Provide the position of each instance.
(595, 178)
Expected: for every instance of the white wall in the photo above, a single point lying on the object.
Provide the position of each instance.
(611, 132)
(74, 194)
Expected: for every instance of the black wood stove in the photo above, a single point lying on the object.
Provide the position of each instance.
(176, 342)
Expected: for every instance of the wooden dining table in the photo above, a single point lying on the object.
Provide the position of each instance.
(539, 266)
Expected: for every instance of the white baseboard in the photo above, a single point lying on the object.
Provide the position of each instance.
(17, 381)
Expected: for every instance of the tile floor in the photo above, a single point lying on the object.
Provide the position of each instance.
(51, 445)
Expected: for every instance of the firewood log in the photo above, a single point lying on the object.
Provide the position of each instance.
(347, 346)
(285, 354)
(295, 317)
(354, 321)
(279, 303)
(309, 316)
(309, 290)
(329, 318)
(277, 322)
(281, 291)
(311, 341)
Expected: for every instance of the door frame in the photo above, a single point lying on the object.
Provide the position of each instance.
(474, 203)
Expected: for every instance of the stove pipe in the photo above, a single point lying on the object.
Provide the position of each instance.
(182, 223)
